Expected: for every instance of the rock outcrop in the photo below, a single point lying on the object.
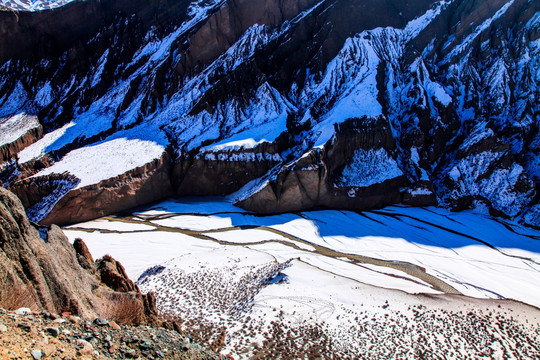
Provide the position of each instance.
(355, 170)
(51, 336)
(10, 150)
(25, 34)
(55, 199)
(42, 270)
(216, 172)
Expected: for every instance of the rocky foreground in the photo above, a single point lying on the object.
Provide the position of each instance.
(30, 335)
(41, 269)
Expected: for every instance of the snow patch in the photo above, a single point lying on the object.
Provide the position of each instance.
(367, 168)
(12, 128)
(96, 77)
(469, 176)
(105, 160)
(45, 95)
(416, 26)
(420, 191)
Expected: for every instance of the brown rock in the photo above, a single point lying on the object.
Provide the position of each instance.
(48, 350)
(312, 180)
(113, 274)
(74, 319)
(54, 341)
(114, 325)
(138, 186)
(9, 151)
(113, 348)
(19, 31)
(84, 347)
(84, 257)
(201, 176)
(32, 191)
(230, 22)
(45, 274)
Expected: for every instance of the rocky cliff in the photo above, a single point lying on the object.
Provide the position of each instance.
(288, 104)
(42, 270)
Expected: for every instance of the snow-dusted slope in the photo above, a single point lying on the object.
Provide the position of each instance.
(300, 105)
(121, 155)
(33, 5)
(14, 127)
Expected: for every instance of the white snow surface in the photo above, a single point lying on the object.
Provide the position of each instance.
(468, 174)
(415, 26)
(478, 255)
(12, 128)
(351, 78)
(38, 149)
(370, 167)
(261, 120)
(212, 263)
(105, 160)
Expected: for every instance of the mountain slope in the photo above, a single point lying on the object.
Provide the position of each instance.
(32, 5)
(288, 104)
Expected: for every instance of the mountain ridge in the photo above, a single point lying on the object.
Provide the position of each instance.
(254, 103)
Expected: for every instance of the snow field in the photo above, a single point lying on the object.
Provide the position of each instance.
(218, 267)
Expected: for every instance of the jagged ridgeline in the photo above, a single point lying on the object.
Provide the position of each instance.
(287, 105)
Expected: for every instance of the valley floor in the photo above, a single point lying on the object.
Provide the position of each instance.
(398, 282)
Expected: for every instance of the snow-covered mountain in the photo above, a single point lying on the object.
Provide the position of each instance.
(32, 5)
(286, 105)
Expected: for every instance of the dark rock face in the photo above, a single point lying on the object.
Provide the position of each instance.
(229, 24)
(293, 104)
(43, 269)
(84, 257)
(220, 173)
(65, 28)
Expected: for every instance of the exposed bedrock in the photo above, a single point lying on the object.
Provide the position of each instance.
(139, 186)
(50, 32)
(41, 270)
(356, 169)
(220, 172)
(55, 199)
(231, 21)
(443, 96)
